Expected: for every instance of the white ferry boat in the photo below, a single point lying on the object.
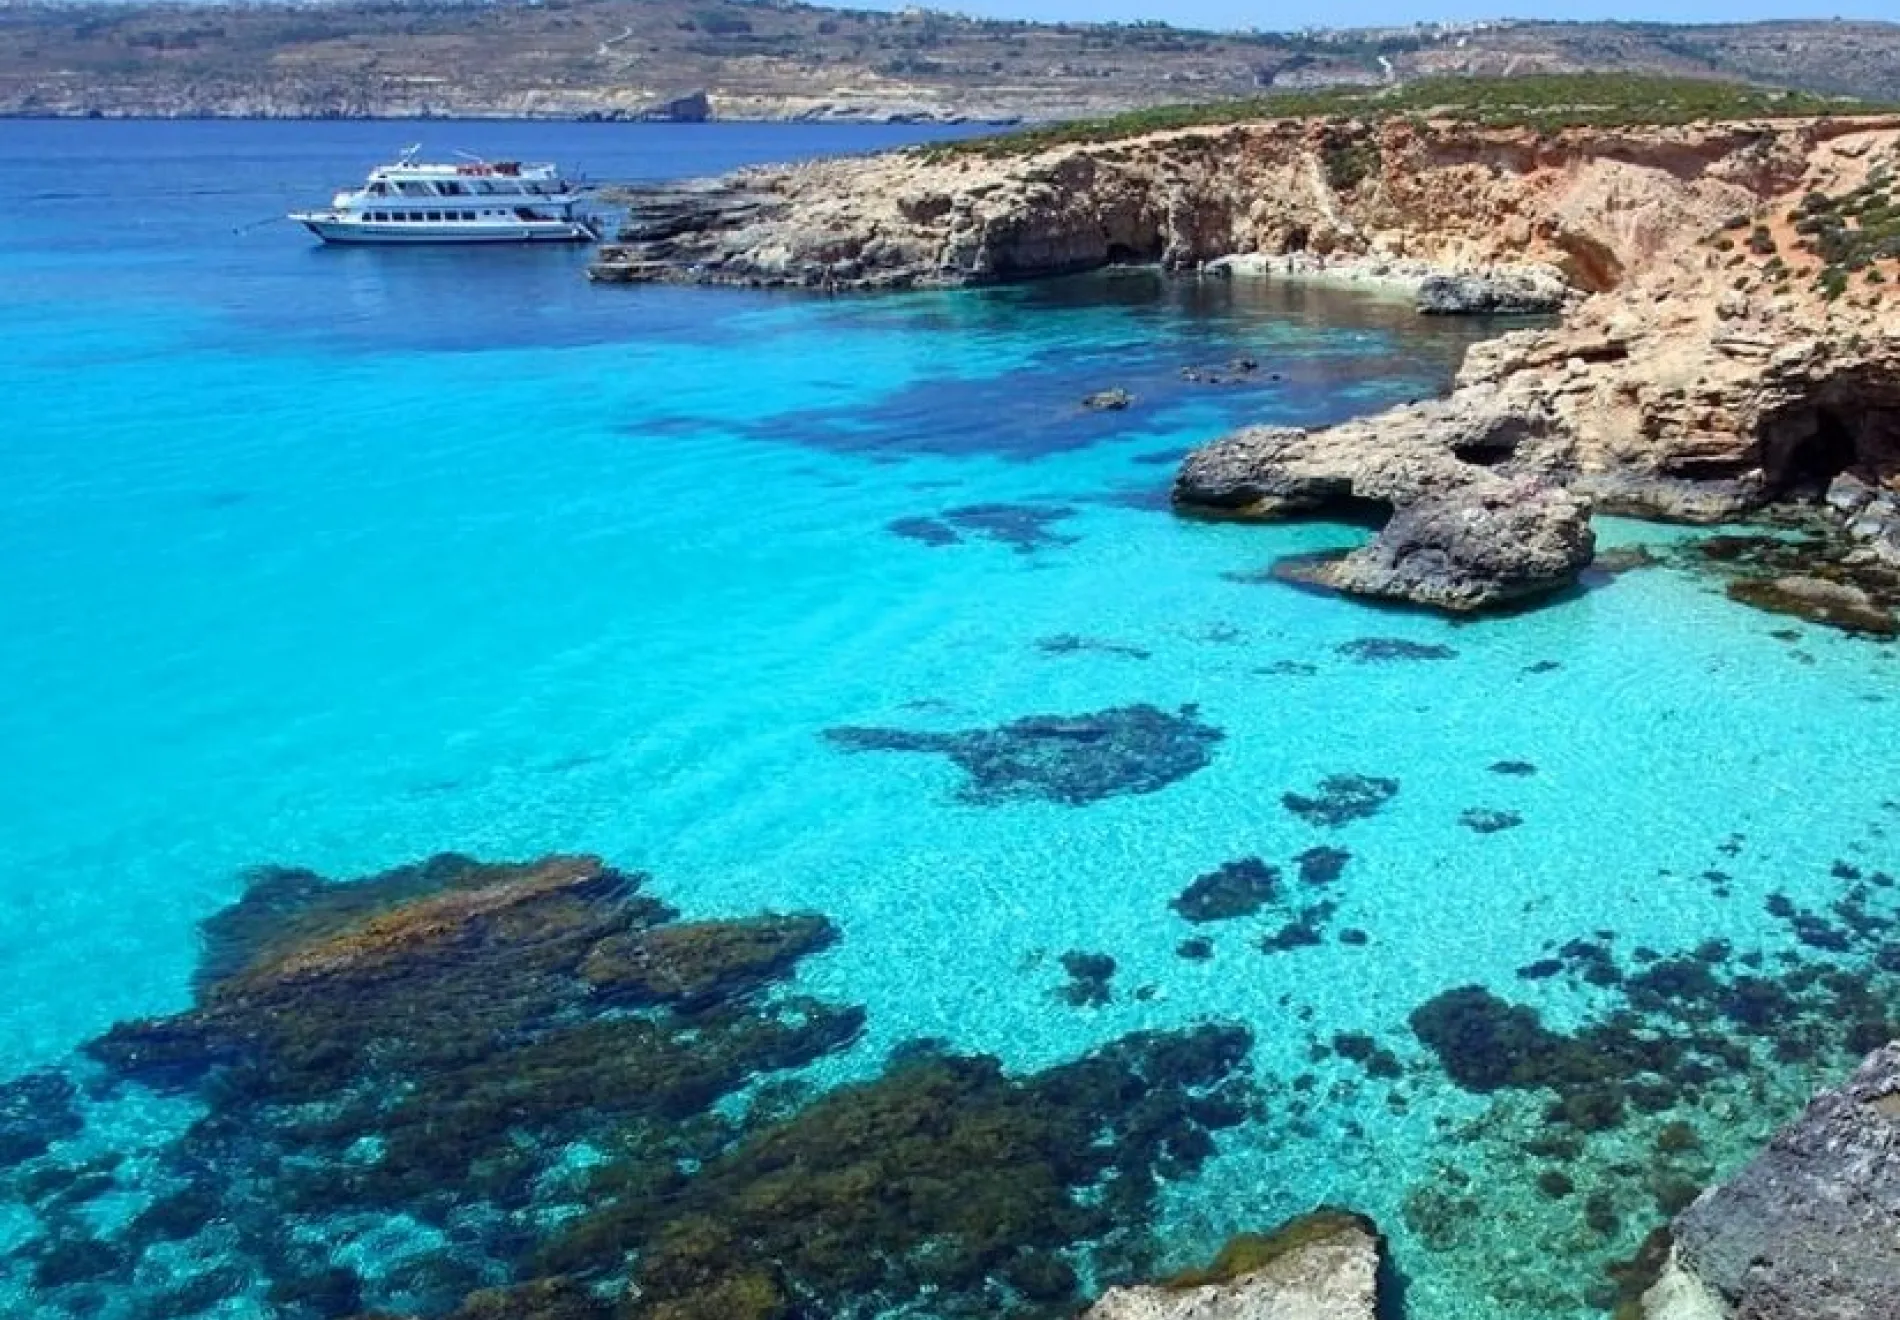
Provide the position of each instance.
(473, 201)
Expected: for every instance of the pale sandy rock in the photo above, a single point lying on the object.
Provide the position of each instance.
(1332, 1277)
(1679, 1295)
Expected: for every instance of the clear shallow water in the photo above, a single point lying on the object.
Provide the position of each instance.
(341, 558)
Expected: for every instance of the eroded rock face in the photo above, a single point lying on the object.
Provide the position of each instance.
(1811, 1229)
(1515, 293)
(1321, 1266)
(1474, 548)
(1473, 525)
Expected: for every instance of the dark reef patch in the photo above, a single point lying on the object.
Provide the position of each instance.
(1024, 528)
(927, 531)
(1379, 650)
(1515, 769)
(1488, 820)
(36, 1110)
(1073, 759)
(1306, 929)
(1089, 976)
(1322, 865)
(1342, 798)
(1288, 669)
(1234, 889)
(434, 1041)
(1070, 644)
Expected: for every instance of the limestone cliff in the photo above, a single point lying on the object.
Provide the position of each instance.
(1595, 203)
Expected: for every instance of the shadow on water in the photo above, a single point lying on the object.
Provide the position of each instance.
(1245, 350)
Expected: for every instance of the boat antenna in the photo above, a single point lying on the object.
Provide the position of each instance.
(469, 155)
(409, 152)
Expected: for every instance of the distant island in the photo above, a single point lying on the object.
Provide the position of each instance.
(689, 60)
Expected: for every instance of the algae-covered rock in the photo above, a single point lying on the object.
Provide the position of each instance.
(931, 1181)
(541, 1062)
(1818, 600)
(693, 963)
(1321, 1266)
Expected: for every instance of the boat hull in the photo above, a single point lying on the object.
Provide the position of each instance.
(359, 232)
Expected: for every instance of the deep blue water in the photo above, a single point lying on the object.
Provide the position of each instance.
(340, 558)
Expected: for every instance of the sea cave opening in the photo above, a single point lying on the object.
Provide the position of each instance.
(1846, 428)
(1129, 254)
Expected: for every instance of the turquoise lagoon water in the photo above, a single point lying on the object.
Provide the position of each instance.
(338, 559)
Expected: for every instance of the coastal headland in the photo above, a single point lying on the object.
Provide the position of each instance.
(1725, 337)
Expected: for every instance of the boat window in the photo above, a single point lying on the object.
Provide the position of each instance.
(378, 190)
(409, 188)
(449, 188)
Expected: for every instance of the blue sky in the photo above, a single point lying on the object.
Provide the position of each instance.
(1365, 13)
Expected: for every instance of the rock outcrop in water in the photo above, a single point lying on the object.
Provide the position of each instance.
(1739, 345)
(1811, 1229)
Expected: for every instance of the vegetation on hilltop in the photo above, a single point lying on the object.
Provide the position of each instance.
(1544, 102)
(563, 58)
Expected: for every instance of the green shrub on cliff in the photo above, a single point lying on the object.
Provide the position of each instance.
(1544, 102)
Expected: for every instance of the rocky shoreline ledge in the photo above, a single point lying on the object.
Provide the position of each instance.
(1729, 338)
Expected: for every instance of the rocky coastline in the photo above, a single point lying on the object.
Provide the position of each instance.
(1727, 337)
(1723, 344)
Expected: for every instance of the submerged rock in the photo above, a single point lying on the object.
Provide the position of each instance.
(1489, 820)
(1108, 400)
(1233, 889)
(1342, 798)
(1321, 1266)
(1370, 650)
(1024, 528)
(1090, 975)
(1837, 604)
(1073, 759)
(996, 1175)
(1810, 1228)
(1070, 644)
(1322, 865)
(434, 1044)
(35, 1111)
